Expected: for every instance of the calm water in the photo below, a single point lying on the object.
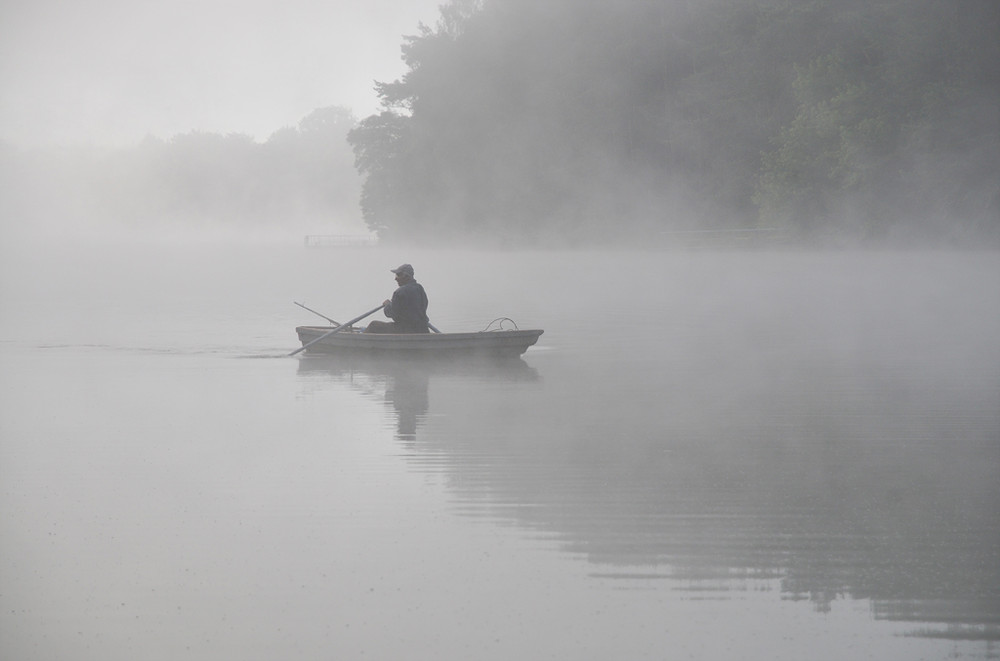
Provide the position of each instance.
(707, 456)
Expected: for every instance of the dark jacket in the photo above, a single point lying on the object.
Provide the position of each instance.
(408, 308)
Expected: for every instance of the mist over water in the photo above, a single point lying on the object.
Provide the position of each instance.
(758, 455)
(710, 454)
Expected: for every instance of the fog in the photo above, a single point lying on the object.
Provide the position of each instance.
(802, 445)
(514, 124)
(110, 72)
(761, 422)
(116, 116)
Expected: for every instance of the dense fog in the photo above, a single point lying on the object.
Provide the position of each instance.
(300, 180)
(737, 436)
(561, 123)
(110, 72)
(799, 445)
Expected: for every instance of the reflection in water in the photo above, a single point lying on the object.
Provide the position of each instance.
(407, 393)
(865, 484)
(404, 382)
(821, 426)
(712, 447)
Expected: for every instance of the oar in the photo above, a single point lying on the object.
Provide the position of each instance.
(335, 330)
(335, 323)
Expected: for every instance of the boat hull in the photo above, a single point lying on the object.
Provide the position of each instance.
(503, 343)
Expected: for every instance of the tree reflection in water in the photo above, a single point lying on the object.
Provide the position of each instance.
(868, 484)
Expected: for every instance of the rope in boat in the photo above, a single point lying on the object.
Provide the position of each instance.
(500, 326)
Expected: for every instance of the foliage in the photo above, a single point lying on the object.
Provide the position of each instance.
(527, 121)
(880, 130)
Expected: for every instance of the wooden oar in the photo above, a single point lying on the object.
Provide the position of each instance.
(335, 330)
(335, 323)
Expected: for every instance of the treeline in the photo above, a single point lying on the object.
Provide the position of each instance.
(302, 174)
(568, 121)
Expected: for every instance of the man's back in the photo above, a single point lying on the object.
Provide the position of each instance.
(408, 308)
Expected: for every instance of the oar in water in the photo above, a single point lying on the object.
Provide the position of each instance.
(336, 330)
(335, 323)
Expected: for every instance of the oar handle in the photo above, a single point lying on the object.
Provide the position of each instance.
(335, 330)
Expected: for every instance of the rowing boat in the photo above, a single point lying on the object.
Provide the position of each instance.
(497, 343)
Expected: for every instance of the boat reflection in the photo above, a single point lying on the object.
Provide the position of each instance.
(403, 382)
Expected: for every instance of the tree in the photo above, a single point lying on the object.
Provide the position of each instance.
(526, 121)
(873, 151)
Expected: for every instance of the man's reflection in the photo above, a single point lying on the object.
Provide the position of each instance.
(407, 381)
(407, 392)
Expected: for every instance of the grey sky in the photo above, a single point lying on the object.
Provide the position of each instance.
(113, 71)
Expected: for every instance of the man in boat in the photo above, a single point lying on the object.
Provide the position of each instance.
(407, 308)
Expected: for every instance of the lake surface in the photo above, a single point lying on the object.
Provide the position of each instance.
(707, 456)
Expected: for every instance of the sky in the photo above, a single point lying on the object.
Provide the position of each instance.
(110, 72)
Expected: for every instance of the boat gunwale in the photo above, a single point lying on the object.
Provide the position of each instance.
(515, 341)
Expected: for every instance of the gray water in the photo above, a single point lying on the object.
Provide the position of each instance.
(707, 456)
